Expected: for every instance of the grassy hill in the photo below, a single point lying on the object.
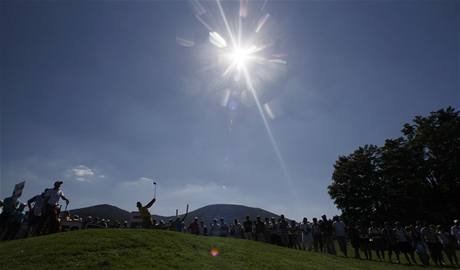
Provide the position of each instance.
(152, 249)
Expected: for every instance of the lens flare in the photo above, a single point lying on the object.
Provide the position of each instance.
(214, 251)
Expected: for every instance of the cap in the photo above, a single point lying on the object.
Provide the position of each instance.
(58, 182)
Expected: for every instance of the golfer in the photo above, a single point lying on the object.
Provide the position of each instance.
(147, 222)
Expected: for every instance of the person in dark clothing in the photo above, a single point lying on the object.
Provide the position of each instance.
(364, 241)
(389, 241)
(354, 239)
(194, 227)
(328, 232)
(260, 230)
(247, 226)
(317, 237)
(283, 231)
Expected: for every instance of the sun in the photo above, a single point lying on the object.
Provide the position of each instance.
(241, 56)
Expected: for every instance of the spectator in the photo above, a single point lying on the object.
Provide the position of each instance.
(340, 234)
(52, 197)
(194, 227)
(214, 228)
(448, 244)
(260, 230)
(376, 241)
(283, 231)
(307, 236)
(404, 245)
(223, 231)
(247, 226)
(327, 231)
(317, 237)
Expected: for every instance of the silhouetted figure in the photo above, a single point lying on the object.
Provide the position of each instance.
(317, 239)
(260, 230)
(307, 236)
(404, 245)
(52, 197)
(247, 225)
(376, 241)
(36, 206)
(283, 231)
(328, 232)
(147, 222)
(340, 234)
(194, 227)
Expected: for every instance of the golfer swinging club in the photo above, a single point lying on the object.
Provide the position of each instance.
(144, 211)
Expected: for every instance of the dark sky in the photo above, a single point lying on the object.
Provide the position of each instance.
(105, 96)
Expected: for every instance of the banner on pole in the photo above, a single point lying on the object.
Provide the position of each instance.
(18, 189)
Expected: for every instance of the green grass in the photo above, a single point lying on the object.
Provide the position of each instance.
(152, 249)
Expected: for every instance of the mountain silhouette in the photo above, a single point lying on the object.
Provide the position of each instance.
(207, 213)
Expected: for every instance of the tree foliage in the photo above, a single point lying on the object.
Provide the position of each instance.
(415, 176)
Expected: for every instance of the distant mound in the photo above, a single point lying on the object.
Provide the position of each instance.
(229, 212)
(207, 213)
(102, 211)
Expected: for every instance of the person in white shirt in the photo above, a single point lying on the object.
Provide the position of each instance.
(307, 235)
(51, 210)
(340, 234)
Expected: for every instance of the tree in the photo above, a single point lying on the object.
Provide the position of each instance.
(415, 176)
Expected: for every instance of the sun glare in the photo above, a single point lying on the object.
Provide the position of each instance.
(241, 56)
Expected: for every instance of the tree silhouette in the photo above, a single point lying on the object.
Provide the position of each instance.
(415, 176)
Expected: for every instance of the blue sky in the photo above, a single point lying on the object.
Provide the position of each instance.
(102, 96)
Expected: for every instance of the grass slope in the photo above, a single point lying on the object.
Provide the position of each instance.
(152, 249)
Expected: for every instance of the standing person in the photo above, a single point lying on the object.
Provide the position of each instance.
(354, 239)
(317, 239)
(307, 236)
(52, 197)
(203, 229)
(214, 228)
(178, 224)
(340, 234)
(283, 231)
(455, 231)
(390, 241)
(448, 245)
(236, 229)
(267, 230)
(431, 239)
(223, 232)
(247, 225)
(36, 213)
(364, 241)
(328, 232)
(376, 241)
(14, 222)
(404, 245)
(260, 230)
(194, 227)
(274, 236)
(293, 232)
(147, 222)
(10, 204)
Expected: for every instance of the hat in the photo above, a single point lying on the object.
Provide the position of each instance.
(58, 182)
